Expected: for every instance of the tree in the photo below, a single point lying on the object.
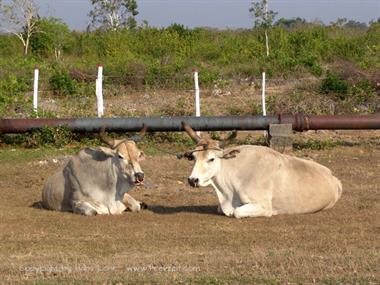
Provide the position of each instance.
(373, 22)
(263, 18)
(339, 23)
(291, 23)
(53, 36)
(19, 17)
(351, 24)
(113, 14)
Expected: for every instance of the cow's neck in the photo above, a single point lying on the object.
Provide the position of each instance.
(220, 184)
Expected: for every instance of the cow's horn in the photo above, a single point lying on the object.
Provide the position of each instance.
(141, 134)
(228, 140)
(105, 139)
(191, 132)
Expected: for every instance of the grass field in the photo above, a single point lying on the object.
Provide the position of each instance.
(181, 239)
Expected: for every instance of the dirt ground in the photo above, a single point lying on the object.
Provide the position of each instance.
(180, 238)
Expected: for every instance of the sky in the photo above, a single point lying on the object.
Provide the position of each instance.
(217, 13)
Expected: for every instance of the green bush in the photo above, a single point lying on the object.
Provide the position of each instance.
(311, 62)
(53, 37)
(12, 94)
(208, 77)
(61, 83)
(179, 29)
(333, 83)
(50, 136)
(46, 136)
(364, 92)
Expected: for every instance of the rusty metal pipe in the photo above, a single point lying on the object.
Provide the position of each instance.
(300, 122)
(303, 122)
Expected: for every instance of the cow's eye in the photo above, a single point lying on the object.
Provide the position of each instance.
(189, 155)
(210, 160)
(121, 156)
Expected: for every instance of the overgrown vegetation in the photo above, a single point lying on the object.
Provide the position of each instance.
(157, 58)
(344, 61)
(61, 83)
(62, 137)
(332, 83)
(47, 136)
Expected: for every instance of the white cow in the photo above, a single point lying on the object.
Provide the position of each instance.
(253, 181)
(96, 181)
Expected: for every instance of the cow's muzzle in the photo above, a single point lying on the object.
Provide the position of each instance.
(139, 178)
(194, 182)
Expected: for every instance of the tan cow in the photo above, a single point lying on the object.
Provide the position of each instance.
(254, 181)
(96, 180)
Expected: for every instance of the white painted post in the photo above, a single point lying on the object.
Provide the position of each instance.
(263, 95)
(35, 90)
(99, 91)
(197, 97)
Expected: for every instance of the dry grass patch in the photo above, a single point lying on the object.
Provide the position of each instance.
(181, 239)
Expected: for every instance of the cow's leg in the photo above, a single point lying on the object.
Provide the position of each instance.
(226, 208)
(252, 210)
(117, 208)
(83, 208)
(133, 204)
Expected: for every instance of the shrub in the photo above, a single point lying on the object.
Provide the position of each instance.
(312, 64)
(53, 136)
(46, 136)
(179, 29)
(333, 83)
(364, 92)
(12, 92)
(208, 76)
(53, 37)
(61, 83)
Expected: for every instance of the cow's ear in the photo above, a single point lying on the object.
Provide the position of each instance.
(141, 155)
(107, 151)
(231, 154)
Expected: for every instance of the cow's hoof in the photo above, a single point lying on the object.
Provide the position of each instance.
(91, 213)
(143, 206)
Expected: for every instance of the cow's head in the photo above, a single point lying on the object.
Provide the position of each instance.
(128, 154)
(207, 155)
